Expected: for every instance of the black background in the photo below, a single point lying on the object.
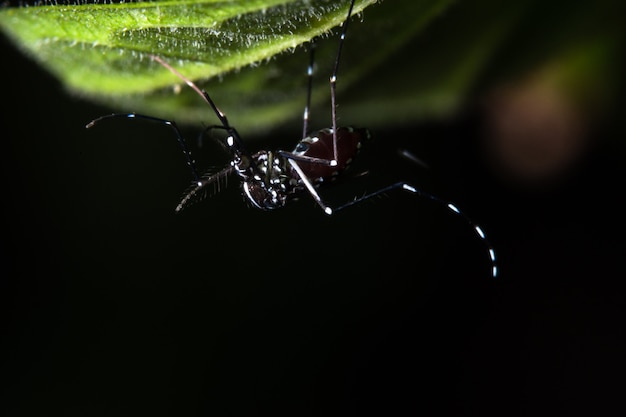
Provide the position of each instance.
(112, 304)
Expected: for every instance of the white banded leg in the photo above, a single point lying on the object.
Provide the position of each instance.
(450, 206)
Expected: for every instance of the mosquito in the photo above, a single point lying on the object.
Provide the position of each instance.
(271, 179)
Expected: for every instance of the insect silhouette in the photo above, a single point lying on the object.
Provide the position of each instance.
(271, 179)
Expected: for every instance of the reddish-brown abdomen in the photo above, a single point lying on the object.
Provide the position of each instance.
(320, 145)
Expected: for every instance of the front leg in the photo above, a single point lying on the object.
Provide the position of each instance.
(309, 186)
(311, 159)
(179, 137)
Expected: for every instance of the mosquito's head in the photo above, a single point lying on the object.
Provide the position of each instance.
(263, 197)
(265, 182)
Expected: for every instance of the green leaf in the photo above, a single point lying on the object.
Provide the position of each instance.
(101, 51)
(403, 60)
(102, 48)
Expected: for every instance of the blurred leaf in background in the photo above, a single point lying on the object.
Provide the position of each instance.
(551, 92)
(404, 60)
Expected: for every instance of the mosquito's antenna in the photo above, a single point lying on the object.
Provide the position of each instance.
(199, 191)
(333, 82)
(309, 72)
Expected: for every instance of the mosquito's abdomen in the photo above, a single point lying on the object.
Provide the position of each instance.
(320, 145)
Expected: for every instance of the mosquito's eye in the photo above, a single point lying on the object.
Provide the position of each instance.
(301, 147)
(243, 163)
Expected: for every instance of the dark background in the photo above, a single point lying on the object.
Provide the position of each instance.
(113, 305)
